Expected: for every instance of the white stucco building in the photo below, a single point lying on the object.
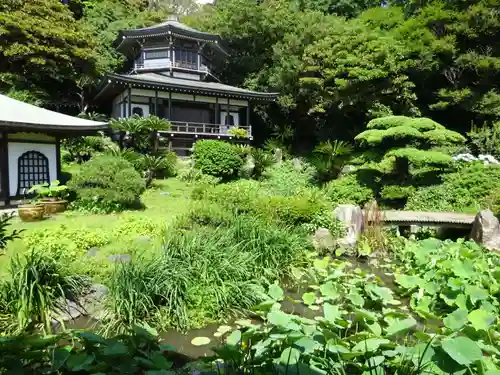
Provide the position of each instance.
(30, 145)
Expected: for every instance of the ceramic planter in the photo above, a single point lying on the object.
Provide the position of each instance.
(54, 205)
(31, 212)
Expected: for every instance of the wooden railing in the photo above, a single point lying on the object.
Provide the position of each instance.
(167, 63)
(199, 128)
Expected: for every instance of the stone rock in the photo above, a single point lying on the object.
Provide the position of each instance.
(352, 218)
(278, 155)
(93, 251)
(297, 164)
(98, 292)
(68, 310)
(246, 170)
(486, 230)
(346, 169)
(120, 258)
(323, 240)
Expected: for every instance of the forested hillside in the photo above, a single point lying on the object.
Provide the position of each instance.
(336, 63)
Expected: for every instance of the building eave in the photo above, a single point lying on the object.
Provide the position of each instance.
(112, 79)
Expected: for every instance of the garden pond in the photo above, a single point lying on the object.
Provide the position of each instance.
(429, 304)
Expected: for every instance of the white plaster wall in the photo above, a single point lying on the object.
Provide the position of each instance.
(17, 149)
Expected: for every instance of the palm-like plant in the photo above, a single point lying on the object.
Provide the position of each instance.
(150, 165)
(330, 158)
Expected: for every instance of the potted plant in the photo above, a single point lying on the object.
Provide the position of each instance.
(31, 210)
(51, 196)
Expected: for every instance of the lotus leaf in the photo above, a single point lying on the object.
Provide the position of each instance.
(456, 320)
(309, 298)
(481, 319)
(290, 356)
(369, 345)
(462, 349)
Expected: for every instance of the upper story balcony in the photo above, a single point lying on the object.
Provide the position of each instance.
(166, 59)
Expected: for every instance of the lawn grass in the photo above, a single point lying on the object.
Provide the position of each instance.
(164, 201)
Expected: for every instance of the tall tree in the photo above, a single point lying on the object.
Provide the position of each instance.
(42, 47)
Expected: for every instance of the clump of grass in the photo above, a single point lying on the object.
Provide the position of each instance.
(204, 274)
(147, 290)
(37, 287)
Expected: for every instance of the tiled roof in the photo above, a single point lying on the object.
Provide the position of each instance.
(188, 85)
(17, 114)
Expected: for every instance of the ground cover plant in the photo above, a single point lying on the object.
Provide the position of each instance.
(77, 352)
(360, 322)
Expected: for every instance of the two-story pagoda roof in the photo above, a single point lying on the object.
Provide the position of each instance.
(172, 26)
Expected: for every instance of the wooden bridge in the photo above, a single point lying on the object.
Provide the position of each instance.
(426, 219)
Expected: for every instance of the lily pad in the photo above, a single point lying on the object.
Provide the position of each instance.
(200, 341)
(224, 329)
(243, 322)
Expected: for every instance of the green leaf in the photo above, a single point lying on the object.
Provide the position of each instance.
(408, 282)
(276, 293)
(309, 298)
(481, 319)
(290, 356)
(374, 328)
(329, 290)
(59, 356)
(332, 313)
(234, 338)
(401, 325)
(369, 345)
(456, 320)
(462, 349)
(476, 293)
(356, 299)
(307, 344)
(116, 349)
(279, 318)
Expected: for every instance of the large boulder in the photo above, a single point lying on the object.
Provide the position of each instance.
(323, 240)
(486, 230)
(352, 218)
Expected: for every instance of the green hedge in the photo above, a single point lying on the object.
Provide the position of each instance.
(107, 183)
(217, 158)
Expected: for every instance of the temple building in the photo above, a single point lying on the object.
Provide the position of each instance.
(174, 76)
(30, 145)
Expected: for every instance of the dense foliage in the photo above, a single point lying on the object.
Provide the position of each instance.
(336, 64)
(85, 353)
(107, 183)
(362, 326)
(217, 158)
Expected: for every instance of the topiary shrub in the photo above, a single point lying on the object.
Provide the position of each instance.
(107, 184)
(217, 158)
(406, 146)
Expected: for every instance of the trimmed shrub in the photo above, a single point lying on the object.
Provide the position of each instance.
(106, 184)
(217, 158)
(348, 190)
